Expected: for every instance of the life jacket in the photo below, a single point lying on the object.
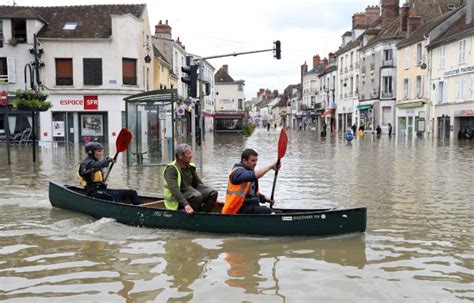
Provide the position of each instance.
(87, 177)
(170, 201)
(235, 196)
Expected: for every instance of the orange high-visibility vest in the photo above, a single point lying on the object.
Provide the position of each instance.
(235, 196)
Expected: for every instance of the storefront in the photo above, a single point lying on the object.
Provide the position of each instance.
(464, 119)
(228, 121)
(366, 116)
(411, 119)
(81, 119)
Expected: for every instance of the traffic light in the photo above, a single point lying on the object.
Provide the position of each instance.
(277, 49)
(198, 136)
(191, 79)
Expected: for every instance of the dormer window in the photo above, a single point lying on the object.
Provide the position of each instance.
(18, 31)
(70, 26)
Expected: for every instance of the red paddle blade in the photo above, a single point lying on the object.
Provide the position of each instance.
(282, 143)
(123, 140)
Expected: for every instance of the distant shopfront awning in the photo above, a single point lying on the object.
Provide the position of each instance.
(364, 106)
(410, 104)
(328, 112)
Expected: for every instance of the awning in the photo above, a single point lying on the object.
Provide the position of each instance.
(364, 106)
(328, 112)
(410, 104)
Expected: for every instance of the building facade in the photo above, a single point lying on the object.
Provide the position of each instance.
(452, 79)
(88, 67)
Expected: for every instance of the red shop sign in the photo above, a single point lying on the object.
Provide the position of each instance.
(3, 98)
(91, 102)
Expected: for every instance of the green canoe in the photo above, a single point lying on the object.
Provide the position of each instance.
(293, 222)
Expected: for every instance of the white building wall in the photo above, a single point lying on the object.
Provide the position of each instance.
(227, 97)
(129, 40)
(458, 79)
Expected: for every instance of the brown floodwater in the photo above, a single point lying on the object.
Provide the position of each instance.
(419, 244)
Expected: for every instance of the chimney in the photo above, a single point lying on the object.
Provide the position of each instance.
(332, 58)
(180, 43)
(469, 11)
(325, 64)
(226, 68)
(275, 93)
(371, 14)
(316, 60)
(260, 92)
(163, 30)
(414, 21)
(304, 70)
(390, 10)
(358, 20)
(404, 13)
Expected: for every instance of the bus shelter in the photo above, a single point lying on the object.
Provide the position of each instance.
(150, 117)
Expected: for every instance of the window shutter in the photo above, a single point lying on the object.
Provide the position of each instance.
(11, 69)
(461, 90)
(64, 68)
(129, 71)
(92, 71)
(445, 91)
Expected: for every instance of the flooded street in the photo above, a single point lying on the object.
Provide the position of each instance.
(419, 244)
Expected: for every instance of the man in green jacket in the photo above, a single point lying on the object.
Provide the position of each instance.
(183, 189)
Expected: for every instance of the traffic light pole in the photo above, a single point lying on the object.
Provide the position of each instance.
(277, 55)
(201, 120)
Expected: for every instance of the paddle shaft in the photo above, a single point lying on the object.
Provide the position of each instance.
(111, 165)
(274, 182)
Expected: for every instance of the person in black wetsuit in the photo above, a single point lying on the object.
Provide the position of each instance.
(92, 177)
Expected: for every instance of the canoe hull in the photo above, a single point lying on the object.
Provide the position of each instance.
(326, 222)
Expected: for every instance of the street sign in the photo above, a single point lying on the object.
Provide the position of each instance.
(3, 98)
(180, 111)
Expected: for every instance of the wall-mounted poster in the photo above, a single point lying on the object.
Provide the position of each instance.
(58, 128)
(92, 125)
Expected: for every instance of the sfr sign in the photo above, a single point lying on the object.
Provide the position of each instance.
(91, 102)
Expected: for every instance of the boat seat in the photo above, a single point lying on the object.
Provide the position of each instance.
(155, 204)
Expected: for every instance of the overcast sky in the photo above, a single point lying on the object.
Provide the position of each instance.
(210, 27)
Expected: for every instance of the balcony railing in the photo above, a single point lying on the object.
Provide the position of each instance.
(372, 66)
(387, 62)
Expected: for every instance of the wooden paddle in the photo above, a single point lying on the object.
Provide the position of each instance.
(121, 144)
(282, 144)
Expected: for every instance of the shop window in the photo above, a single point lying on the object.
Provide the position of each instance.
(92, 71)
(129, 71)
(19, 30)
(64, 71)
